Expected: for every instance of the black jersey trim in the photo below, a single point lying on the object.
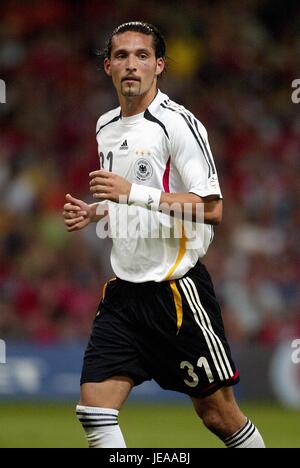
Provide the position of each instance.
(115, 119)
(193, 126)
(151, 117)
(194, 122)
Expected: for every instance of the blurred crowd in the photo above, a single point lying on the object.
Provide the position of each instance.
(232, 64)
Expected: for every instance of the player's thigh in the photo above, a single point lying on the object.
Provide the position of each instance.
(110, 393)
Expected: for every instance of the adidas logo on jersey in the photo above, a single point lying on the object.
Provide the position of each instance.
(124, 145)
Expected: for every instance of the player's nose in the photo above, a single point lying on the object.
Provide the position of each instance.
(131, 63)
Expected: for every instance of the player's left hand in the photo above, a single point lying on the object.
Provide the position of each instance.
(109, 186)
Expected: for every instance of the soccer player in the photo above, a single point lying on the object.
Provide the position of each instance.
(159, 318)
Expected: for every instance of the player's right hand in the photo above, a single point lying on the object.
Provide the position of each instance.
(77, 214)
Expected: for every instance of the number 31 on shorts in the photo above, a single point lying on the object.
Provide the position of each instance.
(193, 377)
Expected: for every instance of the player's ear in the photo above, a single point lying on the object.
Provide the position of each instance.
(160, 65)
(106, 65)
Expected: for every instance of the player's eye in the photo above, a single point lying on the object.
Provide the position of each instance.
(143, 56)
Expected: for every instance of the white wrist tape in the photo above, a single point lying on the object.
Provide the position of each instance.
(142, 195)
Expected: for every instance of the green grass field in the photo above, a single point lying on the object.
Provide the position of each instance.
(156, 426)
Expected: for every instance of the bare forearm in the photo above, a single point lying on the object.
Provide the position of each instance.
(108, 186)
(193, 206)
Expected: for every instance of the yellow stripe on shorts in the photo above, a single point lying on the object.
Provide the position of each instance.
(181, 253)
(178, 304)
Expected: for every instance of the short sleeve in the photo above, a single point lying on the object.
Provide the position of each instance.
(192, 157)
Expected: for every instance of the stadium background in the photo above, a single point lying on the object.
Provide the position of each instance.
(232, 63)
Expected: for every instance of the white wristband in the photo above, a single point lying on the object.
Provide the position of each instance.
(143, 195)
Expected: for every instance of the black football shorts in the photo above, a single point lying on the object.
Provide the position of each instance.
(171, 332)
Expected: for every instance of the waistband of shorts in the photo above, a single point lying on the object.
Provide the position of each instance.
(198, 267)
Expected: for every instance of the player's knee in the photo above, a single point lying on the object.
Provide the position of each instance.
(212, 420)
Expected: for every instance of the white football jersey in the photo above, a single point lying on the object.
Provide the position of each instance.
(167, 148)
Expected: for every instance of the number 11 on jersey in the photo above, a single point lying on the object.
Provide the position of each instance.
(109, 158)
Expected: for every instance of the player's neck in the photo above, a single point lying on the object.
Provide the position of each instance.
(136, 104)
